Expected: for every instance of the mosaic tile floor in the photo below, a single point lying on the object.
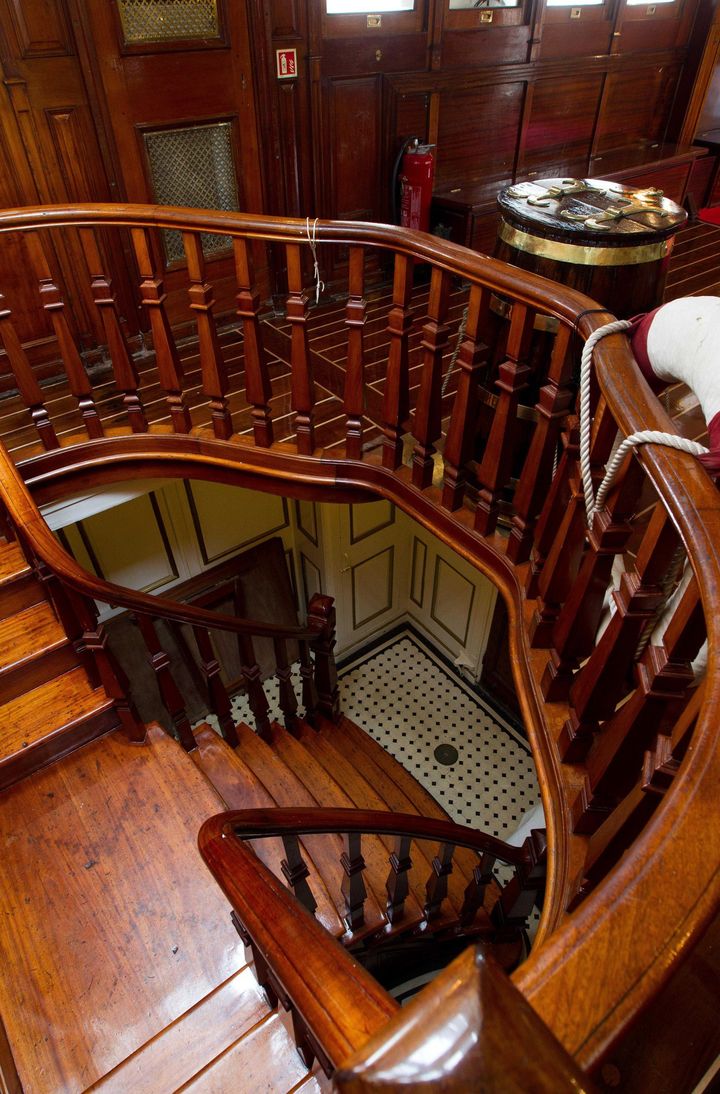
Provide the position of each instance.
(410, 702)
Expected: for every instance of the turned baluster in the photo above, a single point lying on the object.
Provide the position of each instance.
(296, 872)
(309, 690)
(664, 677)
(474, 896)
(554, 509)
(321, 618)
(353, 885)
(573, 637)
(212, 365)
(257, 380)
(437, 884)
(428, 413)
(257, 700)
(124, 370)
(54, 305)
(471, 362)
(169, 691)
(396, 403)
(552, 407)
(74, 613)
(397, 885)
(603, 679)
(301, 379)
(355, 364)
(512, 378)
(28, 386)
(286, 692)
(217, 693)
(520, 895)
(167, 359)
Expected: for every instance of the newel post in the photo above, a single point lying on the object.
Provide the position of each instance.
(321, 618)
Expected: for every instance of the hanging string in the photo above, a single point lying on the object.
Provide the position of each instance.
(644, 436)
(312, 240)
(453, 359)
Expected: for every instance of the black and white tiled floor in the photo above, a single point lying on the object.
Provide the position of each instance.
(411, 702)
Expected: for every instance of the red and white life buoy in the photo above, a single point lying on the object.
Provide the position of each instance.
(680, 341)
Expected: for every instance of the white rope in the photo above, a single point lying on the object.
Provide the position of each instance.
(585, 418)
(453, 359)
(312, 240)
(644, 436)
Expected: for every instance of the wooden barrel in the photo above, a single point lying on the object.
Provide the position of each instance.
(606, 240)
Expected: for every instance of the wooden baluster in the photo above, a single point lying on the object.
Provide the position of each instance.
(54, 305)
(552, 407)
(427, 423)
(321, 617)
(437, 884)
(474, 896)
(512, 378)
(355, 364)
(28, 386)
(396, 405)
(286, 692)
(169, 691)
(621, 827)
(303, 388)
(124, 370)
(520, 895)
(664, 678)
(261, 969)
(353, 885)
(212, 364)
(257, 379)
(561, 567)
(309, 690)
(167, 359)
(471, 361)
(573, 637)
(217, 693)
(602, 681)
(257, 700)
(296, 872)
(397, 885)
(554, 508)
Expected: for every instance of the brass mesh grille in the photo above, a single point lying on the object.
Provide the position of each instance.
(193, 166)
(168, 20)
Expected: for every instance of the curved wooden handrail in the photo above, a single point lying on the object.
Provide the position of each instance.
(340, 1002)
(256, 823)
(25, 515)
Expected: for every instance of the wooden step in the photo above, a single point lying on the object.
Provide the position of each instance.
(288, 790)
(240, 788)
(33, 649)
(113, 929)
(49, 722)
(19, 588)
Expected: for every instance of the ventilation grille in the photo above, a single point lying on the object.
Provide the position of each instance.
(168, 20)
(193, 166)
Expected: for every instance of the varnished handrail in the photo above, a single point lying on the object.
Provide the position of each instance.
(26, 517)
(256, 823)
(340, 1002)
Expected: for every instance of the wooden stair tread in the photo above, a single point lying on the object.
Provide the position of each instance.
(28, 634)
(42, 712)
(399, 788)
(13, 563)
(366, 795)
(240, 788)
(328, 794)
(113, 926)
(288, 790)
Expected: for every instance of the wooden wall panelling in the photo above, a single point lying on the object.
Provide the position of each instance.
(641, 29)
(42, 28)
(469, 41)
(590, 35)
(637, 104)
(561, 122)
(478, 134)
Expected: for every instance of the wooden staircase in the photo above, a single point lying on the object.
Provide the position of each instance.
(48, 705)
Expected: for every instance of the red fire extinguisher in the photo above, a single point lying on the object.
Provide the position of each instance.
(416, 184)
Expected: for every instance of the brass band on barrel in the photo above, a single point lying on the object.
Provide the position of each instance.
(580, 255)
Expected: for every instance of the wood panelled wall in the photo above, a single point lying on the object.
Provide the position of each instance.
(536, 91)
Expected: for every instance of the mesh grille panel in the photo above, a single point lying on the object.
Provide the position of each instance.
(168, 20)
(193, 166)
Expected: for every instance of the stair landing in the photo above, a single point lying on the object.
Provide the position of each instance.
(117, 956)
